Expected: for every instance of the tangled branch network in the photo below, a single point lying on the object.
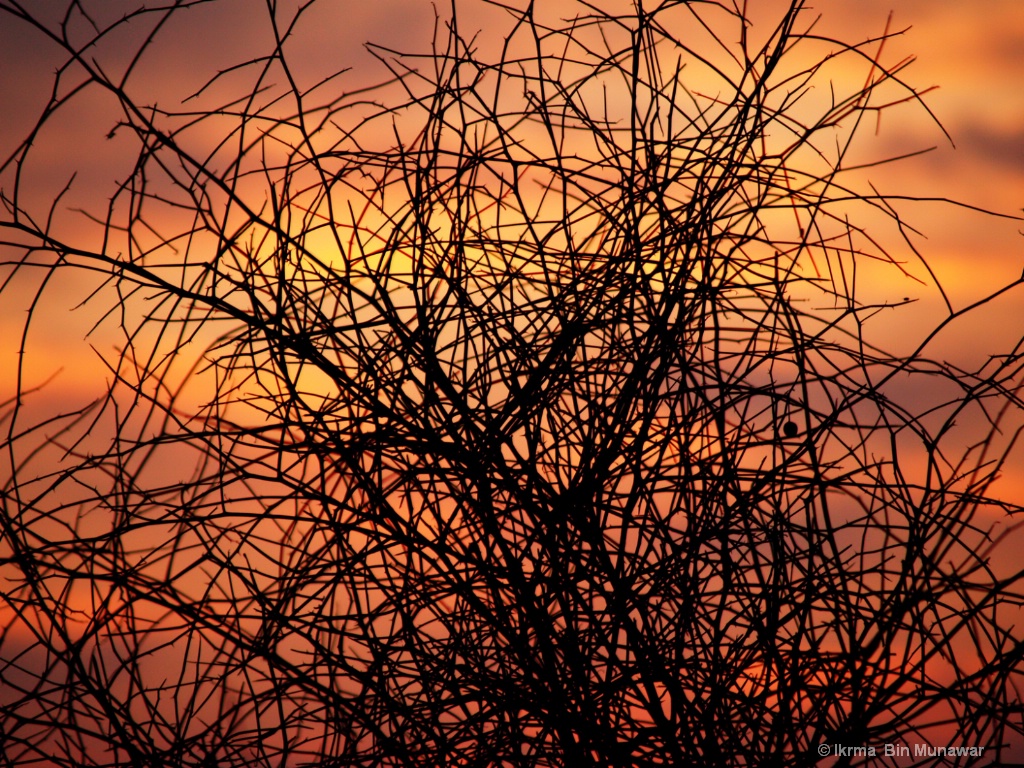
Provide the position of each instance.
(528, 407)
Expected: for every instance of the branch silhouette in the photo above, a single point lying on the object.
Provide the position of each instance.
(521, 409)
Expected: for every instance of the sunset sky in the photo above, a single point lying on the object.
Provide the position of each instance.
(970, 52)
(969, 61)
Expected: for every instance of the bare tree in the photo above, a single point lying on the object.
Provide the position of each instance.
(523, 409)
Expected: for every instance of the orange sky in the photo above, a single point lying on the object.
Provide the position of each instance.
(972, 51)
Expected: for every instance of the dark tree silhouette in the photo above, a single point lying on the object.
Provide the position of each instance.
(523, 409)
